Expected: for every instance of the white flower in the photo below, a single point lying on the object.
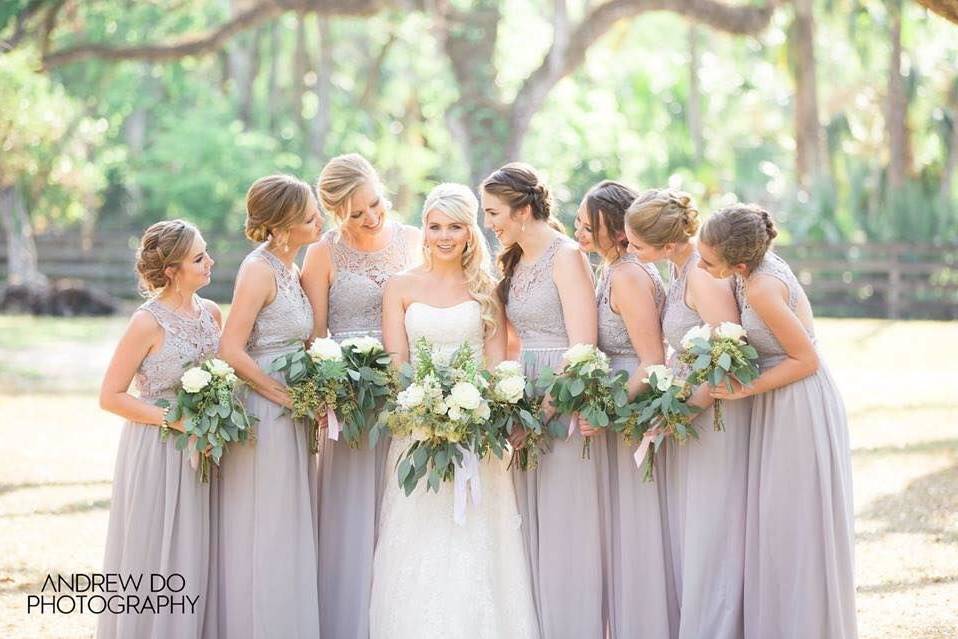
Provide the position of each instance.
(730, 330)
(441, 357)
(219, 368)
(483, 412)
(580, 353)
(511, 389)
(704, 332)
(663, 376)
(441, 407)
(508, 368)
(411, 397)
(455, 413)
(363, 345)
(325, 348)
(420, 433)
(195, 379)
(465, 395)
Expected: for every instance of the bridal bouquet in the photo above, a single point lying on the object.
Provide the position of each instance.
(585, 387)
(717, 357)
(443, 410)
(658, 414)
(345, 382)
(514, 404)
(212, 417)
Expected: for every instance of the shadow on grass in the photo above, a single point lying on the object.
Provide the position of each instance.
(900, 586)
(69, 509)
(923, 447)
(11, 488)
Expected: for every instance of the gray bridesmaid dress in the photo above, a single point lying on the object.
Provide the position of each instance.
(799, 557)
(559, 502)
(704, 482)
(637, 579)
(160, 513)
(351, 485)
(267, 539)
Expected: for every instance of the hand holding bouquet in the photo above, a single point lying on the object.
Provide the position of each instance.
(212, 417)
(514, 406)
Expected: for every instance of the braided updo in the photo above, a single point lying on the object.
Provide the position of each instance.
(163, 245)
(740, 234)
(663, 216)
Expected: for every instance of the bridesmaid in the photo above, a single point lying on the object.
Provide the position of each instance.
(704, 479)
(268, 538)
(160, 511)
(548, 292)
(630, 298)
(343, 276)
(799, 561)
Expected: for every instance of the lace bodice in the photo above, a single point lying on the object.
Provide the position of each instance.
(186, 341)
(446, 328)
(759, 334)
(356, 294)
(288, 318)
(534, 307)
(613, 336)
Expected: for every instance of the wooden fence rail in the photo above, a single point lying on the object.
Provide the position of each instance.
(842, 280)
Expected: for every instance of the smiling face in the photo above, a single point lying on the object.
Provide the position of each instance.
(501, 219)
(194, 272)
(364, 212)
(643, 250)
(445, 237)
(309, 229)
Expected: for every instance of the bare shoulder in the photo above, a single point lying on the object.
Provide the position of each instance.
(629, 275)
(319, 251)
(764, 290)
(144, 326)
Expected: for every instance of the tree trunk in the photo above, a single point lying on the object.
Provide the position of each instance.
(323, 89)
(21, 249)
(809, 150)
(695, 96)
(951, 143)
(272, 82)
(897, 107)
(300, 66)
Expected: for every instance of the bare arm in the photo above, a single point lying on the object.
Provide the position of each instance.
(513, 343)
(573, 278)
(768, 297)
(255, 288)
(316, 280)
(633, 297)
(495, 345)
(143, 334)
(395, 340)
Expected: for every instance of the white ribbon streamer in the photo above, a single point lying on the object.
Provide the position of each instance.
(465, 478)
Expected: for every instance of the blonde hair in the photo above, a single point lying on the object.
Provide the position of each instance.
(460, 203)
(662, 216)
(163, 245)
(740, 234)
(340, 179)
(274, 204)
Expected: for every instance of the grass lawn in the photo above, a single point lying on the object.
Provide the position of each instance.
(899, 379)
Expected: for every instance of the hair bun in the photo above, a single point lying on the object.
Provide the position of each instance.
(257, 233)
(769, 225)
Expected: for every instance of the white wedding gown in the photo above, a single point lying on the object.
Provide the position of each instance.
(431, 576)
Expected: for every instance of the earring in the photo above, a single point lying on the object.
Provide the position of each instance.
(523, 227)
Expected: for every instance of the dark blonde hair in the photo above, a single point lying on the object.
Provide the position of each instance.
(609, 201)
(518, 185)
(163, 245)
(740, 234)
(341, 177)
(274, 204)
(663, 216)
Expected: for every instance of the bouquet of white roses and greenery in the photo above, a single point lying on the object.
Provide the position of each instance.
(717, 357)
(212, 416)
(373, 381)
(514, 405)
(660, 413)
(585, 387)
(444, 412)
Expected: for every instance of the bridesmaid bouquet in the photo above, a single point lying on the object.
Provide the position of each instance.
(211, 415)
(659, 413)
(372, 380)
(514, 404)
(585, 387)
(718, 356)
(443, 410)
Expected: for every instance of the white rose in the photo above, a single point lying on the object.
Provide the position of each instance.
(455, 413)
(411, 397)
(511, 389)
(664, 381)
(508, 368)
(483, 412)
(441, 407)
(219, 368)
(730, 330)
(663, 376)
(363, 345)
(580, 353)
(465, 395)
(704, 332)
(325, 348)
(195, 379)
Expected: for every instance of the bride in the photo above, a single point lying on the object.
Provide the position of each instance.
(431, 576)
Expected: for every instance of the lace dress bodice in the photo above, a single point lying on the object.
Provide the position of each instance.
(534, 307)
(356, 294)
(288, 319)
(186, 341)
(613, 336)
(445, 328)
(760, 336)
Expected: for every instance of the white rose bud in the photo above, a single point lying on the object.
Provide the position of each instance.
(704, 332)
(508, 368)
(465, 395)
(195, 379)
(411, 397)
(325, 349)
(511, 389)
(730, 330)
(219, 368)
